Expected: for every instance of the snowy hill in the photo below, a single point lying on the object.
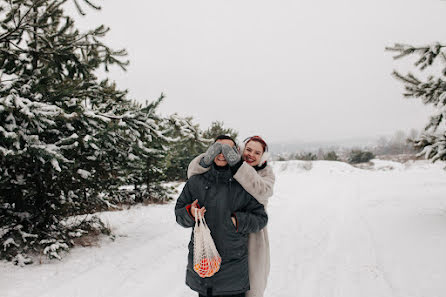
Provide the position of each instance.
(335, 230)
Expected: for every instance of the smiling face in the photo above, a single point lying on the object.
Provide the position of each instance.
(253, 153)
(220, 159)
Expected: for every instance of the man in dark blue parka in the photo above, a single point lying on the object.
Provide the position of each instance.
(231, 214)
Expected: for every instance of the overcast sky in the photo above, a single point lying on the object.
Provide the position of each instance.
(287, 70)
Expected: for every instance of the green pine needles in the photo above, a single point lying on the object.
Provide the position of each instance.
(71, 144)
(431, 90)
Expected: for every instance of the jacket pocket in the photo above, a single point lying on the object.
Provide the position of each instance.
(235, 251)
(231, 224)
(236, 245)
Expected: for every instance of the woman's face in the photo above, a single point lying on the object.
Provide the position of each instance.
(253, 153)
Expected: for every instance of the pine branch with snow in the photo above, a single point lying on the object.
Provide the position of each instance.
(431, 91)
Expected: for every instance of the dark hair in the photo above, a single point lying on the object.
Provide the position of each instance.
(225, 137)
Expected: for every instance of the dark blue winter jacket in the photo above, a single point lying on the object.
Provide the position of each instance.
(222, 196)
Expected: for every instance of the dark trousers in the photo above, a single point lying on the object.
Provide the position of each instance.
(209, 294)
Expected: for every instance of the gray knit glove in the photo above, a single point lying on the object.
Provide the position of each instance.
(210, 154)
(231, 154)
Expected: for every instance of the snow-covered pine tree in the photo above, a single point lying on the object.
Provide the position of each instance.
(217, 128)
(146, 165)
(64, 135)
(431, 90)
(187, 142)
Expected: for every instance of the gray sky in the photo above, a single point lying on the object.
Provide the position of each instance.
(287, 70)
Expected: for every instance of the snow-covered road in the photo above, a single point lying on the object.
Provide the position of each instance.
(335, 230)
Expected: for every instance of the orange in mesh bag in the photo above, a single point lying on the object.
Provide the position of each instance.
(207, 260)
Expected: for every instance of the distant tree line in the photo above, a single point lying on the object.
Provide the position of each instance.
(399, 144)
(354, 156)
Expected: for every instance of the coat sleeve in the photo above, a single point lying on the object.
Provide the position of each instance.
(252, 218)
(183, 205)
(259, 184)
(195, 168)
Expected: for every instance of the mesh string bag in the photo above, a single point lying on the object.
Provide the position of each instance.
(207, 260)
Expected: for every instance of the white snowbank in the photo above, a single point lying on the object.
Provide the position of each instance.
(335, 230)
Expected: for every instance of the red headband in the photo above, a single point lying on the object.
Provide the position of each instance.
(258, 139)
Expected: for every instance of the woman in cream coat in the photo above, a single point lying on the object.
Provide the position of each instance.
(257, 178)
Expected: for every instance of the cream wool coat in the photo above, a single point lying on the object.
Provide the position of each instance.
(259, 184)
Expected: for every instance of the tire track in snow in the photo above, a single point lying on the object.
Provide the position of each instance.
(341, 258)
(380, 269)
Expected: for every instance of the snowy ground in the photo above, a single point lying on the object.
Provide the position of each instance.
(335, 230)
